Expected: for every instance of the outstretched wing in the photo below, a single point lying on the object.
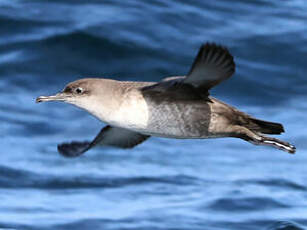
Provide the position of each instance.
(108, 136)
(212, 65)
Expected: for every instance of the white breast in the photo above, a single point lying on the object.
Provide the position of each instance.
(122, 110)
(132, 113)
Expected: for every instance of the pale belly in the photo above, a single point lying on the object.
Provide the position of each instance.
(187, 120)
(173, 119)
(179, 120)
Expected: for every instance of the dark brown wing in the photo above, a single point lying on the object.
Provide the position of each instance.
(212, 65)
(108, 136)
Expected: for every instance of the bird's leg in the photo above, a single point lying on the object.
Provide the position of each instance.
(282, 145)
(246, 134)
(257, 139)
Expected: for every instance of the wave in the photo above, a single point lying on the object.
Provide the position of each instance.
(285, 225)
(13, 178)
(278, 183)
(246, 204)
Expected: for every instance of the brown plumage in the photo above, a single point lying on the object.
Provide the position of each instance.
(176, 107)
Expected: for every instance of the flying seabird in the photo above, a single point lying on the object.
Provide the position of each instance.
(176, 107)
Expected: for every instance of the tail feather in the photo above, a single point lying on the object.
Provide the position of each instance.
(266, 127)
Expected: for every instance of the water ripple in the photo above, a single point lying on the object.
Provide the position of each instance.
(13, 178)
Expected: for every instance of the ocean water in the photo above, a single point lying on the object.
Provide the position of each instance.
(211, 184)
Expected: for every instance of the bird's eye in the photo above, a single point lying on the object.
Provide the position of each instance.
(79, 90)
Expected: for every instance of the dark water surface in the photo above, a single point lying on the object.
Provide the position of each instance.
(163, 183)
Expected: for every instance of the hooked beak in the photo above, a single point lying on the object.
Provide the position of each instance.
(57, 97)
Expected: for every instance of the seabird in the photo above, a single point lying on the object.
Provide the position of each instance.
(176, 107)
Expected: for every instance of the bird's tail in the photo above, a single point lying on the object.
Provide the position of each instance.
(265, 127)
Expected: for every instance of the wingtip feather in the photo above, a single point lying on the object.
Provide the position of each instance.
(213, 64)
(73, 149)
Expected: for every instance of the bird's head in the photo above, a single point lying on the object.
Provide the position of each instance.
(72, 93)
(95, 95)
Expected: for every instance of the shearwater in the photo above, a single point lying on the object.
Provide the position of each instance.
(176, 107)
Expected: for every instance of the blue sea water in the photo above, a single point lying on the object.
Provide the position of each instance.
(211, 184)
